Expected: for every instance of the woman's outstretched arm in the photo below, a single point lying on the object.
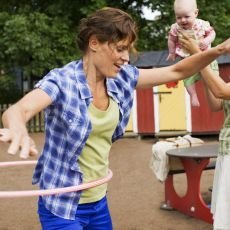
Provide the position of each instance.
(184, 68)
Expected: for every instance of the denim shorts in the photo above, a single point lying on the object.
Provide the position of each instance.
(90, 216)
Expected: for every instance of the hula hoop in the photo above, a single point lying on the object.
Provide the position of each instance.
(46, 192)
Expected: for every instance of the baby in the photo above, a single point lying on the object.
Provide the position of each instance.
(186, 13)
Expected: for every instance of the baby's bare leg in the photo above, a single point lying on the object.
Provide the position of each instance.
(191, 89)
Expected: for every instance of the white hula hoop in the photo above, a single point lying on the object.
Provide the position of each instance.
(46, 192)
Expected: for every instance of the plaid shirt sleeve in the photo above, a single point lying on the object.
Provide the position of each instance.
(50, 84)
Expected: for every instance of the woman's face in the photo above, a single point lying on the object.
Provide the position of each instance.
(109, 58)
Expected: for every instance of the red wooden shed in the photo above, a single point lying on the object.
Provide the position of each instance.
(199, 120)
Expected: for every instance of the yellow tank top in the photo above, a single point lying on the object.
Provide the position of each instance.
(93, 160)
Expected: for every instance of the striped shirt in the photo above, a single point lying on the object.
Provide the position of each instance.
(68, 127)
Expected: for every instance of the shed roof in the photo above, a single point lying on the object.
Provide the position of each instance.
(158, 59)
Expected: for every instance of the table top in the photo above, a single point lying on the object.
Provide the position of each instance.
(201, 151)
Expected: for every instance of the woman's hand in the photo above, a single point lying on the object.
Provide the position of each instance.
(192, 47)
(224, 47)
(18, 141)
(189, 43)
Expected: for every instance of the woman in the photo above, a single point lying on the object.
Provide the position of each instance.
(87, 105)
(218, 95)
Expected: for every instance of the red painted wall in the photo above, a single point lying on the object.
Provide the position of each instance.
(203, 119)
(145, 111)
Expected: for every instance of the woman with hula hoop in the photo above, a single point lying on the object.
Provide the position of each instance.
(87, 105)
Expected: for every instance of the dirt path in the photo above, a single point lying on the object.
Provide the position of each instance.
(134, 194)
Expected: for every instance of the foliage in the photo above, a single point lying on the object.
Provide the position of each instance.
(153, 34)
(217, 13)
(35, 42)
(38, 35)
(9, 90)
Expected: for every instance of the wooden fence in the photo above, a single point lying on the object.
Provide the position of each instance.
(36, 124)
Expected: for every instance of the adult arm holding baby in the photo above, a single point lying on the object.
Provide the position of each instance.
(218, 95)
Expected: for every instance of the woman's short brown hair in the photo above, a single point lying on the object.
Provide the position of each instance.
(108, 25)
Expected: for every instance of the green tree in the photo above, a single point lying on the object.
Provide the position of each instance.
(10, 91)
(153, 34)
(35, 42)
(38, 35)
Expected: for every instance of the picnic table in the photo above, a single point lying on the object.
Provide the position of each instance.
(194, 160)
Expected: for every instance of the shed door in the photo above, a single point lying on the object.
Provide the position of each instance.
(172, 109)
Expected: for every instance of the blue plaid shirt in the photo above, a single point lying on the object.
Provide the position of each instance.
(68, 127)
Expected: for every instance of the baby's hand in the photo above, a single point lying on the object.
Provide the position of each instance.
(171, 57)
(203, 45)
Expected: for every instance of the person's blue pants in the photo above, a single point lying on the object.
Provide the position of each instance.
(91, 216)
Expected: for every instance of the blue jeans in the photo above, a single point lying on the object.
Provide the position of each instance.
(91, 216)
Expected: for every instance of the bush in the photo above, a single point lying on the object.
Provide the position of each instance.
(9, 90)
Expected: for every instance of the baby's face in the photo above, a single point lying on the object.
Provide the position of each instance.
(185, 17)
